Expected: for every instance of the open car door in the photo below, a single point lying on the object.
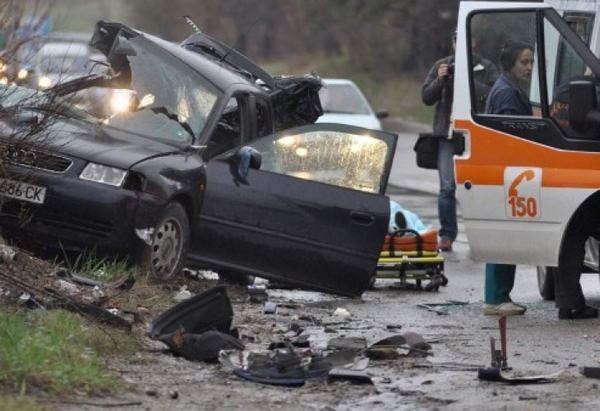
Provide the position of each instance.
(314, 214)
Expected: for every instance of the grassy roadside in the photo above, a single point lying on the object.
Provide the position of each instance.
(51, 355)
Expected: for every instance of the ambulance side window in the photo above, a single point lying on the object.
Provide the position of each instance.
(489, 35)
(561, 65)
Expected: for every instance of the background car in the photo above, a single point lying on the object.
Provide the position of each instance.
(344, 103)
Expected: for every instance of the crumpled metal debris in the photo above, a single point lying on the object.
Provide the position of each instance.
(145, 234)
(412, 344)
(285, 367)
(495, 374)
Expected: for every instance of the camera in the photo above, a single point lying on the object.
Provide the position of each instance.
(451, 70)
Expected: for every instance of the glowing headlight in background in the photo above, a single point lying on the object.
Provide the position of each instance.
(120, 100)
(44, 82)
(103, 174)
(22, 74)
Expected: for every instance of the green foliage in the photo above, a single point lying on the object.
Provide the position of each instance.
(92, 265)
(58, 353)
(21, 403)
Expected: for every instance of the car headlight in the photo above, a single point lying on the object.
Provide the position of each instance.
(22, 74)
(103, 174)
(120, 100)
(44, 82)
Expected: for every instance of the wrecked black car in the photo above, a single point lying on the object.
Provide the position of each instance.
(216, 164)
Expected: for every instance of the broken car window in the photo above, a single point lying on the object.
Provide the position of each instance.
(333, 157)
(179, 93)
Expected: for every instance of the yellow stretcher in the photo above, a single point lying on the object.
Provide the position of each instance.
(412, 258)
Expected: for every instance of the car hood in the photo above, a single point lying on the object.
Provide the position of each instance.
(104, 145)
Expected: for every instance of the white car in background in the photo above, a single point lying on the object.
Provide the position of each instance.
(344, 103)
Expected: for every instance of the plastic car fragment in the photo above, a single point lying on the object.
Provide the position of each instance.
(210, 310)
(198, 327)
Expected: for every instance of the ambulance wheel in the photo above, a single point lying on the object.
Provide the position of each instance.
(545, 277)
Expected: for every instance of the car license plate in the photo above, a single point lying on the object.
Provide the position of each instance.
(22, 191)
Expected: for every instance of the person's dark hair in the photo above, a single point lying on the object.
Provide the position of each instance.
(510, 51)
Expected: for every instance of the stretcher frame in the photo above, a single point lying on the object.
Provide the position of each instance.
(413, 258)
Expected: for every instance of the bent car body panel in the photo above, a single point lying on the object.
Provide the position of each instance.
(282, 225)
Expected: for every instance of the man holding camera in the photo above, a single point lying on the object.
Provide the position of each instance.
(438, 89)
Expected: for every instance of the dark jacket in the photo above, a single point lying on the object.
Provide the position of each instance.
(485, 74)
(507, 98)
(440, 93)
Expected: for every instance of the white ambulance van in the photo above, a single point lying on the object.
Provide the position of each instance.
(524, 182)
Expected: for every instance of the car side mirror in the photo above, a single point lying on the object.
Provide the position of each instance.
(382, 114)
(583, 106)
(246, 158)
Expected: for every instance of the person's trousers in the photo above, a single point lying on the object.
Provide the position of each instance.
(447, 194)
(568, 293)
(499, 282)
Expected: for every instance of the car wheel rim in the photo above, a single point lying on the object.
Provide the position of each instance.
(166, 248)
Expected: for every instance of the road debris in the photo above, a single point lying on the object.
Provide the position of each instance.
(441, 308)
(210, 310)
(200, 347)
(591, 372)
(495, 374)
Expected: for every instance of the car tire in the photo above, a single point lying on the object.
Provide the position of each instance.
(545, 277)
(165, 256)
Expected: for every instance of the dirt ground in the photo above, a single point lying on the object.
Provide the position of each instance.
(444, 379)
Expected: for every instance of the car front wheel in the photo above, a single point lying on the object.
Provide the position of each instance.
(545, 277)
(165, 256)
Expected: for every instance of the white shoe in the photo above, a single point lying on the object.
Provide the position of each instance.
(508, 308)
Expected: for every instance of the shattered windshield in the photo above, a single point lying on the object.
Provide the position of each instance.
(17, 100)
(173, 100)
